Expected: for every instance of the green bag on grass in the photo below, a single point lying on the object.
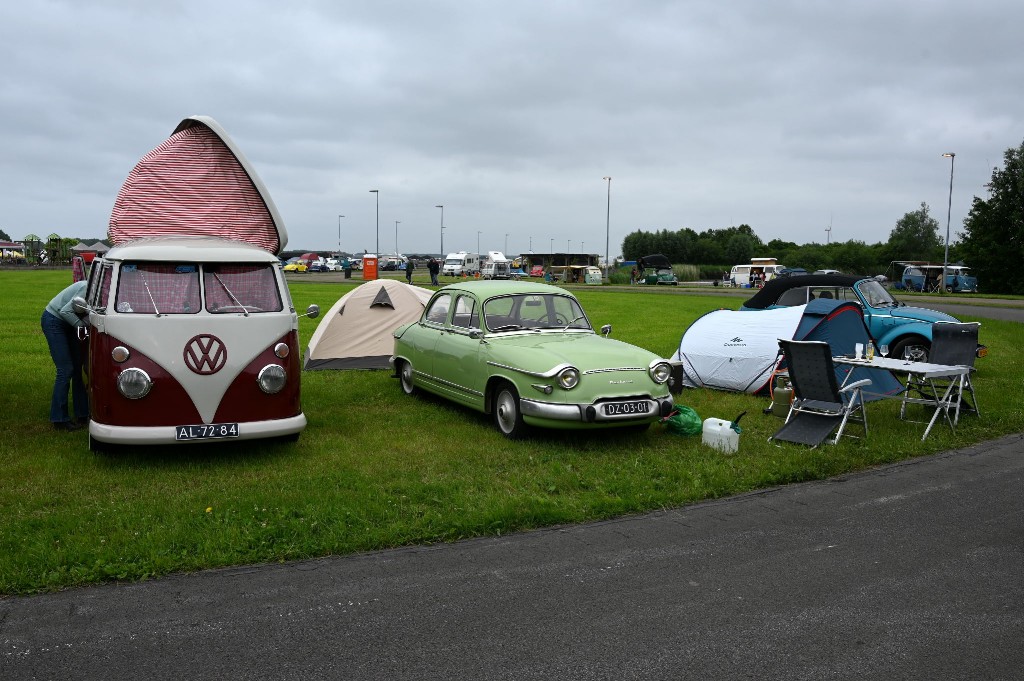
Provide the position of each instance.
(683, 421)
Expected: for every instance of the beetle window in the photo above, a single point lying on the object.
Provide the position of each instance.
(151, 288)
(241, 288)
(794, 296)
(876, 295)
(437, 313)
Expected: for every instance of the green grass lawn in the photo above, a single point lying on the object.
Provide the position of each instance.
(377, 469)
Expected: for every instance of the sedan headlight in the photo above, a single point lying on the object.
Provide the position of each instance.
(134, 383)
(660, 372)
(272, 378)
(569, 378)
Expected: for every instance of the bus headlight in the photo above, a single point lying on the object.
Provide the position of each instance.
(134, 383)
(272, 379)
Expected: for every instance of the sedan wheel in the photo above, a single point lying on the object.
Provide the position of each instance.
(507, 416)
(405, 373)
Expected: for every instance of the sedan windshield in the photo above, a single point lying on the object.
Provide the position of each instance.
(534, 311)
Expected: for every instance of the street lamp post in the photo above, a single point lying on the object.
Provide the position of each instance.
(396, 236)
(607, 225)
(506, 244)
(339, 234)
(949, 207)
(442, 228)
(376, 194)
(478, 233)
(551, 248)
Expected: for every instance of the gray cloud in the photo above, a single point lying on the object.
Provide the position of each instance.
(786, 115)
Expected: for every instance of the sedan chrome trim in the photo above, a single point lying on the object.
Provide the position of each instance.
(550, 373)
(657, 406)
(547, 410)
(605, 371)
(448, 384)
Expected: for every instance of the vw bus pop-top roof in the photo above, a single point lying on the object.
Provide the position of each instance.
(197, 183)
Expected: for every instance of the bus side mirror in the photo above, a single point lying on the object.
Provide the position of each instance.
(313, 311)
(80, 307)
(606, 330)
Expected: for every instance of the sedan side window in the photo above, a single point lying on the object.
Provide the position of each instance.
(437, 313)
(465, 313)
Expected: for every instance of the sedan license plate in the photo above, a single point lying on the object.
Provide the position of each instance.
(206, 431)
(626, 408)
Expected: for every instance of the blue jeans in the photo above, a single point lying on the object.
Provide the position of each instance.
(67, 357)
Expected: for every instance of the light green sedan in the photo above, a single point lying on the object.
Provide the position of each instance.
(526, 354)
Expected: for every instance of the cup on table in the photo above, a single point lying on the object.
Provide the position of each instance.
(858, 350)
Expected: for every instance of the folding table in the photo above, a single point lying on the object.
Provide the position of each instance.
(948, 401)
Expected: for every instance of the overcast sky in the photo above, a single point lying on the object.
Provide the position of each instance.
(787, 115)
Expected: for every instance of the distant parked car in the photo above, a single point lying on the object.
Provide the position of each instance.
(295, 265)
(904, 329)
(526, 354)
(656, 269)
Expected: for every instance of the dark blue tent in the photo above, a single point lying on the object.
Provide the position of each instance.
(841, 325)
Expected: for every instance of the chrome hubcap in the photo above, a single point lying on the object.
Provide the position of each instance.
(506, 412)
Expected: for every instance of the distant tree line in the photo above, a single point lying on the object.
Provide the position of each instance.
(991, 243)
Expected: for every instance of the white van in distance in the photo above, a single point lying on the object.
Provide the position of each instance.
(461, 263)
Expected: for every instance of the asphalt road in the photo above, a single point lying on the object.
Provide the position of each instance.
(910, 571)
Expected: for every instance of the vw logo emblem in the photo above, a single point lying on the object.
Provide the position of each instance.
(205, 354)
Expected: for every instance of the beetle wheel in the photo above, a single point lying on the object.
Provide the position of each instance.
(507, 416)
(405, 374)
(915, 348)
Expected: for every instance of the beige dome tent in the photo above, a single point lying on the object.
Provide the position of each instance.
(356, 332)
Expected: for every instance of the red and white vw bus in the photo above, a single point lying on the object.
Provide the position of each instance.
(193, 336)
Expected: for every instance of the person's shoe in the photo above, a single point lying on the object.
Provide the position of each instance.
(65, 425)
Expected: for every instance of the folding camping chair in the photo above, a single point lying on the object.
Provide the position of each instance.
(953, 344)
(819, 405)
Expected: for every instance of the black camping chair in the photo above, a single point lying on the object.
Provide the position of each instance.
(953, 344)
(819, 405)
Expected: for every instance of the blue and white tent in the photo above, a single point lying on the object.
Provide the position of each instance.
(739, 350)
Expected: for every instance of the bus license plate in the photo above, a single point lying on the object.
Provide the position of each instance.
(625, 408)
(206, 431)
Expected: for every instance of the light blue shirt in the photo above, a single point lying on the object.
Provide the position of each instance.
(61, 307)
